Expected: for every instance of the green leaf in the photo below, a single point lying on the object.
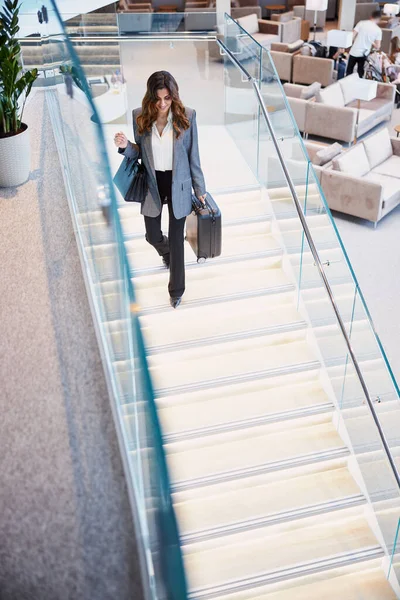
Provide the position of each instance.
(13, 80)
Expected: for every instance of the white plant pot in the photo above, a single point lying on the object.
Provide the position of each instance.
(15, 159)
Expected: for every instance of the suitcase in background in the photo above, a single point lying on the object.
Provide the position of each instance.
(203, 229)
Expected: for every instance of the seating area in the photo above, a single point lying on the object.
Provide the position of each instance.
(328, 111)
(333, 112)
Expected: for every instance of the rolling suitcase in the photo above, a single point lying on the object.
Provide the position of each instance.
(203, 229)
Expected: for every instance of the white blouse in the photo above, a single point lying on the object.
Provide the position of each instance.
(162, 146)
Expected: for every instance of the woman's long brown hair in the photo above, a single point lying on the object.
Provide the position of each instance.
(158, 81)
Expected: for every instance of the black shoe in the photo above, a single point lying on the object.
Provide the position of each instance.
(166, 260)
(175, 302)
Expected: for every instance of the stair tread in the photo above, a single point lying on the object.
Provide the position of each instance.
(249, 241)
(246, 205)
(240, 358)
(226, 318)
(228, 453)
(254, 502)
(359, 585)
(244, 556)
(211, 281)
(239, 406)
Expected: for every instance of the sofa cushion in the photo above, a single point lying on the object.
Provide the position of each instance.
(326, 154)
(348, 87)
(265, 39)
(390, 185)
(311, 91)
(249, 23)
(332, 95)
(389, 167)
(378, 148)
(354, 162)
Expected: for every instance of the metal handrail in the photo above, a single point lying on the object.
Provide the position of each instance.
(316, 257)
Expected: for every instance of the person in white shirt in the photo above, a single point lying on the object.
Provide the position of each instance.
(166, 140)
(366, 35)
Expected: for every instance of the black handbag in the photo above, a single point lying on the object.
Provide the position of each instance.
(131, 180)
(138, 189)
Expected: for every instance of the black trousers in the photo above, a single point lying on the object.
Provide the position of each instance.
(356, 60)
(171, 247)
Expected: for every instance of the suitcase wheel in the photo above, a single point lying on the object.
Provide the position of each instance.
(201, 260)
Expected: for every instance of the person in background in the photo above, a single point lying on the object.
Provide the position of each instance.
(339, 57)
(366, 35)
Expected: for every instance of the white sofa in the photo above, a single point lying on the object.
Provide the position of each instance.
(333, 112)
(365, 180)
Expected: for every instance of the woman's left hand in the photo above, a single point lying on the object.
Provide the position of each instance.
(203, 198)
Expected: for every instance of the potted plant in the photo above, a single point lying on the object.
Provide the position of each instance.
(15, 86)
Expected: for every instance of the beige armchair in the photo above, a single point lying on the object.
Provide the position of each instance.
(299, 100)
(283, 62)
(282, 56)
(290, 27)
(300, 11)
(365, 181)
(244, 11)
(307, 69)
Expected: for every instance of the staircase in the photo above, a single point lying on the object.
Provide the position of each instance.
(269, 500)
(97, 57)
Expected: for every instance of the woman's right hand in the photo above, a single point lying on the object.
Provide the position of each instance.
(120, 140)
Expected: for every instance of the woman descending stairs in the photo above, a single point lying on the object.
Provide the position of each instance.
(269, 501)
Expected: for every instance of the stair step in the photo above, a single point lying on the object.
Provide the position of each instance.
(333, 263)
(236, 407)
(215, 365)
(334, 348)
(363, 431)
(118, 331)
(286, 551)
(240, 206)
(252, 505)
(204, 324)
(238, 241)
(355, 582)
(261, 449)
(213, 283)
(321, 229)
(347, 386)
(319, 307)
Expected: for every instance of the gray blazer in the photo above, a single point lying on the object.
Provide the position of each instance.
(186, 172)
